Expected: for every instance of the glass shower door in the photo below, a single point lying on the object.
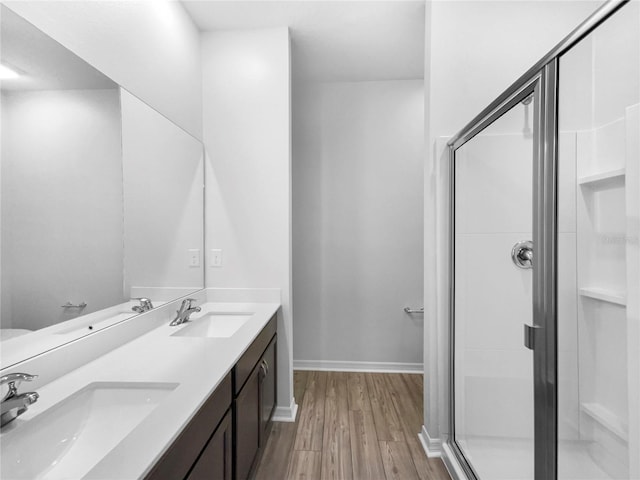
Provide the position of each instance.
(598, 253)
(493, 402)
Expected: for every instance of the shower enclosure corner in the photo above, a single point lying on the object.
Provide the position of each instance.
(545, 266)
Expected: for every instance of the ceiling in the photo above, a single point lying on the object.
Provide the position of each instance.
(333, 40)
(43, 64)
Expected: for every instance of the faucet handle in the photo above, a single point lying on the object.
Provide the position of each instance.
(187, 302)
(143, 301)
(145, 305)
(13, 378)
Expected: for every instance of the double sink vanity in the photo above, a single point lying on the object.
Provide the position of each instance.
(104, 211)
(192, 400)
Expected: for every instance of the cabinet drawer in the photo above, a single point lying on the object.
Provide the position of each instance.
(248, 361)
(182, 454)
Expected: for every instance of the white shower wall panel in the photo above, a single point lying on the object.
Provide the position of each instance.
(568, 378)
(599, 92)
(493, 296)
(493, 302)
(493, 182)
(632, 149)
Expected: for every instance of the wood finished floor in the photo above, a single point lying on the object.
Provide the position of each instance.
(351, 426)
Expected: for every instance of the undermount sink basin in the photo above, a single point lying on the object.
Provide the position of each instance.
(70, 438)
(214, 325)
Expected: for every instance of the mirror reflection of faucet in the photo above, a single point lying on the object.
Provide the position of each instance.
(145, 305)
(15, 404)
(186, 309)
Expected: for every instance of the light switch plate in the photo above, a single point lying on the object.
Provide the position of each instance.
(194, 257)
(215, 257)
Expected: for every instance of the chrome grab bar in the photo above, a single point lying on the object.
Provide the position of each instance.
(410, 310)
(72, 305)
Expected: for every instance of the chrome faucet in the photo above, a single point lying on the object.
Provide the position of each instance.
(186, 309)
(145, 305)
(15, 404)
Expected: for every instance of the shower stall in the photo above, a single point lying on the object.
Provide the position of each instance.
(545, 266)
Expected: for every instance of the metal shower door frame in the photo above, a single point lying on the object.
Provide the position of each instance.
(544, 268)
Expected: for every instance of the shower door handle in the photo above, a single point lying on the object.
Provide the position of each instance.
(530, 336)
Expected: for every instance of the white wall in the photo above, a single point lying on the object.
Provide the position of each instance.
(357, 223)
(163, 200)
(474, 50)
(151, 48)
(59, 147)
(246, 103)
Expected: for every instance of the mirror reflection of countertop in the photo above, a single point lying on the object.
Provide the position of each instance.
(160, 379)
(17, 348)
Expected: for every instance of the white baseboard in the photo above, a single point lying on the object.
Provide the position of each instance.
(432, 446)
(340, 366)
(286, 414)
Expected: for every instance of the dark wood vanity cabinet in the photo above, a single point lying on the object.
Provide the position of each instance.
(224, 438)
(255, 401)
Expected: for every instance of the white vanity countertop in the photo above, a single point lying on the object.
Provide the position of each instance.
(196, 364)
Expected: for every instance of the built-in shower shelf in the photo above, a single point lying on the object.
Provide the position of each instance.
(606, 418)
(606, 179)
(604, 295)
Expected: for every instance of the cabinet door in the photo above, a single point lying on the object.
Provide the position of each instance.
(247, 422)
(215, 461)
(183, 454)
(268, 389)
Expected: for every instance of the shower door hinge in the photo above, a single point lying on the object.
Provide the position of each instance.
(530, 336)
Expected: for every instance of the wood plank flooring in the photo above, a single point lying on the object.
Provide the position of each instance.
(351, 426)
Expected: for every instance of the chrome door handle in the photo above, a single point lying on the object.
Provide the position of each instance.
(522, 254)
(530, 336)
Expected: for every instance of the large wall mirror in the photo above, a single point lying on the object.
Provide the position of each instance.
(101, 198)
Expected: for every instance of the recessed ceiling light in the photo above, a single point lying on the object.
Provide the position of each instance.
(7, 73)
